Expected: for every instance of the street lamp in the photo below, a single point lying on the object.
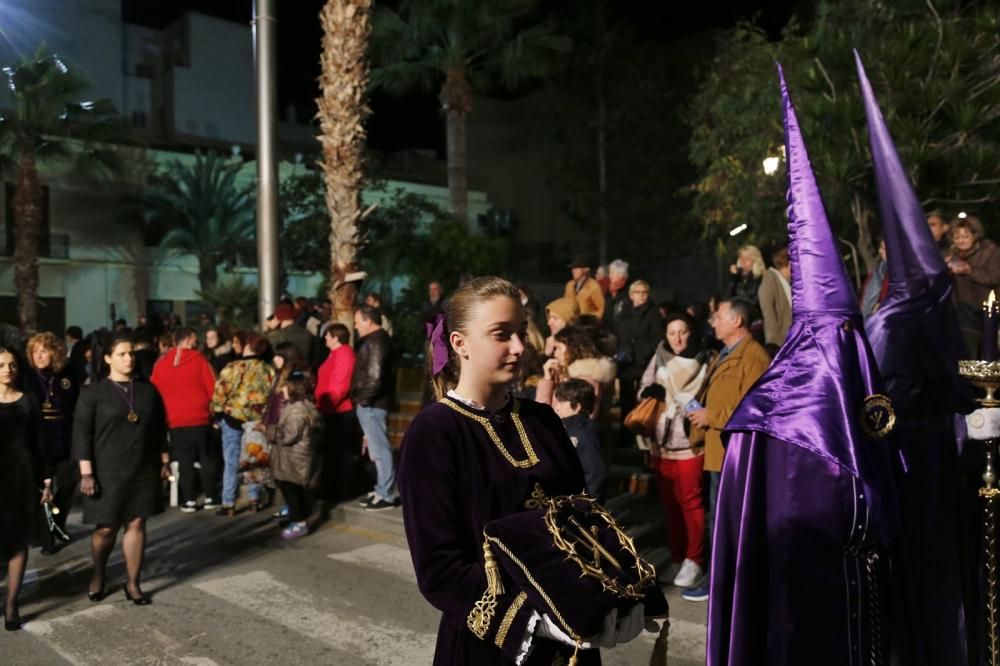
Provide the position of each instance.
(737, 230)
(771, 165)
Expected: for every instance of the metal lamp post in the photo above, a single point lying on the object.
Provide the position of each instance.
(265, 63)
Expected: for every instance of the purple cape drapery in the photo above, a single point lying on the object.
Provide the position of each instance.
(787, 588)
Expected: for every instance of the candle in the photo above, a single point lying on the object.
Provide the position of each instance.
(991, 317)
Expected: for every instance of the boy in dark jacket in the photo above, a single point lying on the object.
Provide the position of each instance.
(573, 401)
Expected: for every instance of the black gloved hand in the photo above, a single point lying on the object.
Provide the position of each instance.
(654, 391)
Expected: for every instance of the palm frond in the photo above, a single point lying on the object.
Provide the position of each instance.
(201, 210)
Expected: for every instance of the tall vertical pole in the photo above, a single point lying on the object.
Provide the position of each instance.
(265, 62)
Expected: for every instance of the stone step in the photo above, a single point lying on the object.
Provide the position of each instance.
(388, 523)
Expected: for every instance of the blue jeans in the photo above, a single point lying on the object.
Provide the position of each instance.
(375, 424)
(232, 443)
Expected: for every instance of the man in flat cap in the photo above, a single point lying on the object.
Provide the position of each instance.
(584, 289)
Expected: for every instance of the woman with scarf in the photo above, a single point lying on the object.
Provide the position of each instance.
(676, 374)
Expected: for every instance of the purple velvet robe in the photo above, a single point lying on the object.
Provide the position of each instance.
(454, 480)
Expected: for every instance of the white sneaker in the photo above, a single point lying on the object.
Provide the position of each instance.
(189, 507)
(689, 575)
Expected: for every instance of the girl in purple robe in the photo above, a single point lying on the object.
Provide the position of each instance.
(477, 455)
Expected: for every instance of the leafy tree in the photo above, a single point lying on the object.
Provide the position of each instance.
(460, 49)
(51, 124)
(404, 243)
(394, 249)
(202, 211)
(936, 70)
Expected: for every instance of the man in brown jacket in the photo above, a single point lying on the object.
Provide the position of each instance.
(584, 289)
(740, 363)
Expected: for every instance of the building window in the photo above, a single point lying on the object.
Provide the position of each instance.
(44, 234)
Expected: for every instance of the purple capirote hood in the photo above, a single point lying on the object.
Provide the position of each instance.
(813, 393)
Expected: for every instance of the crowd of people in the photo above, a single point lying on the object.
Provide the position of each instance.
(297, 406)
(108, 412)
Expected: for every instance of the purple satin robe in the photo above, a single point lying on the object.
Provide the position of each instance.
(806, 509)
(795, 562)
(917, 343)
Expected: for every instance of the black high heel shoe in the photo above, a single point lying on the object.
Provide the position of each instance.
(94, 597)
(12, 625)
(141, 600)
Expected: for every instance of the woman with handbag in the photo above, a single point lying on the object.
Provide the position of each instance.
(675, 375)
(51, 383)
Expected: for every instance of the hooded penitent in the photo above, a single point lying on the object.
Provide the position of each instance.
(917, 343)
(805, 507)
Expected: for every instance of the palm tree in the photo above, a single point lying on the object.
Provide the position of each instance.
(461, 48)
(342, 110)
(202, 211)
(50, 125)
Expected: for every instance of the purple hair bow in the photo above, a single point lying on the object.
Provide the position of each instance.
(438, 337)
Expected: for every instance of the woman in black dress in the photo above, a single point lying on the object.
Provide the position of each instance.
(119, 439)
(23, 480)
(52, 384)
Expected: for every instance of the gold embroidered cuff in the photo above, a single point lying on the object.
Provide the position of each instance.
(508, 618)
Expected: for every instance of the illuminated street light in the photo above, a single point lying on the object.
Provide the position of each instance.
(963, 215)
(771, 165)
(736, 231)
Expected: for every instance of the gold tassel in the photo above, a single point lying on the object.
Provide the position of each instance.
(481, 616)
(494, 585)
(572, 660)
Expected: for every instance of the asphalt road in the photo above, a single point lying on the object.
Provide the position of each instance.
(229, 591)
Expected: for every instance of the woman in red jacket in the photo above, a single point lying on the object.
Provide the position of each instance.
(333, 386)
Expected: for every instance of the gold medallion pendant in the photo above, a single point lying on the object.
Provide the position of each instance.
(133, 417)
(878, 418)
(65, 383)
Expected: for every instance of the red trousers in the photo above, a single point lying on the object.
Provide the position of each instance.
(679, 482)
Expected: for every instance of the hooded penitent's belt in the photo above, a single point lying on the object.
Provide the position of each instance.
(571, 560)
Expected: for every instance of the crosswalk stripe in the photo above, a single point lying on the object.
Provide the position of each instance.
(383, 557)
(69, 637)
(262, 594)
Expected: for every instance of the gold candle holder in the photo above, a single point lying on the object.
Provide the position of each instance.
(986, 375)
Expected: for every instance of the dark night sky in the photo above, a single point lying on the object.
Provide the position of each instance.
(413, 121)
